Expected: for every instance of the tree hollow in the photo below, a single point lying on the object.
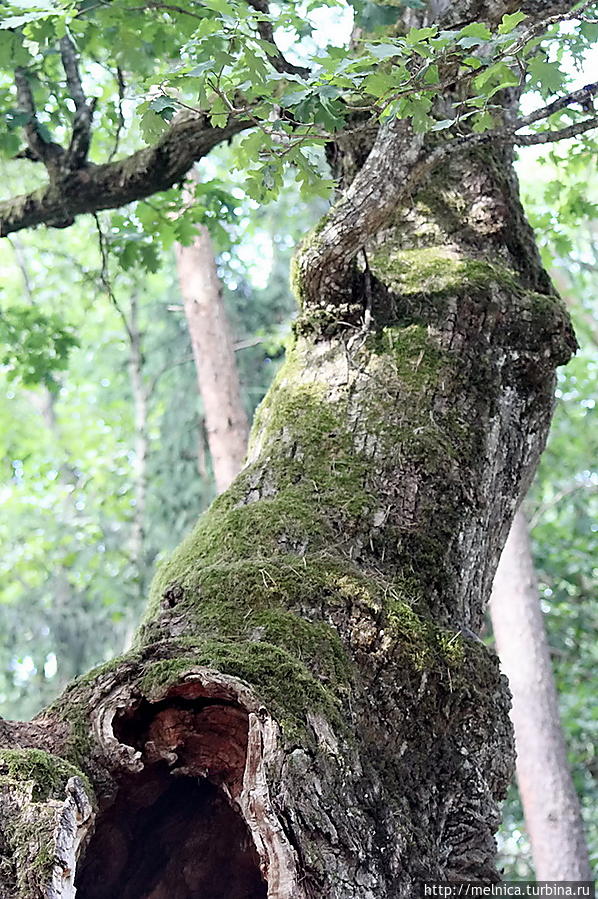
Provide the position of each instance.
(173, 830)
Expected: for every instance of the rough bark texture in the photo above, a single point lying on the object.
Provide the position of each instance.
(308, 667)
(550, 804)
(214, 355)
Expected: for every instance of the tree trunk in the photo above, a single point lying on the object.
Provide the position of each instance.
(550, 803)
(214, 355)
(140, 402)
(306, 711)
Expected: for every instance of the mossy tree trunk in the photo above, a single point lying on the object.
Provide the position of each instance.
(307, 711)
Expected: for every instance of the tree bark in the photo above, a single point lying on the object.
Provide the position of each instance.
(214, 356)
(550, 804)
(306, 711)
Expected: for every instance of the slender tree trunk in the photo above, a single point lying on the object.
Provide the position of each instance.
(214, 355)
(141, 442)
(306, 711)
(550, 803)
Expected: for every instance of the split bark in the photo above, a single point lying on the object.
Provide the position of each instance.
(550, 804)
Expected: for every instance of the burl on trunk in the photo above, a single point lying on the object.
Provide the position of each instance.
(307, 711)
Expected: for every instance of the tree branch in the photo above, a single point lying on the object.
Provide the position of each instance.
(398, 163)
(582, 96)
(457, 13)
(266, 32)
(49, 153)
(81, 136)
(114, 184)
(549, 137)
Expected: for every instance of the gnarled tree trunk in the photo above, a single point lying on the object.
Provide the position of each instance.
(307, 711)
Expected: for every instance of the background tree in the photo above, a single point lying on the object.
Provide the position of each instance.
(552, 811)
(321, 614)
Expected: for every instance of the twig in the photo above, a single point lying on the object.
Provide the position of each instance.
(18, 250)
(246, 343)
(120, 81)
(105, 276)
(548, 137)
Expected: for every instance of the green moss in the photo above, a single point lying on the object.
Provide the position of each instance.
(47, 773)
(427, 647)
(316, 478)
(436, 271)
(415, 358)
(27, 838)
(286, 685)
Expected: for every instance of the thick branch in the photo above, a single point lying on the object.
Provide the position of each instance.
(364, 208)
(81, 136)
(114, 184)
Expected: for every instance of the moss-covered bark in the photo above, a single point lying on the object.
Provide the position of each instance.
(308, 660)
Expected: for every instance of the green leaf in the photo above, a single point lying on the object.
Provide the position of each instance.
(383, 51)
(510, 21)
(442, 125)
(152, 126)
(330, 114)
(432, 75)
(416, 35)
(378, 84)
(495, 77)
(220, 6)
(475, 30)
(547, 75)
(164, 106)
(206, 66)
(483, 122)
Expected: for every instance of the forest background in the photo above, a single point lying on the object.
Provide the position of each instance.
(85, 519)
